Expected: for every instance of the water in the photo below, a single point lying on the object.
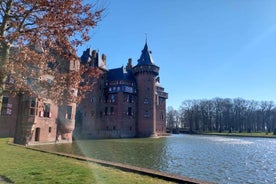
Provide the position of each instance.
(212, 158)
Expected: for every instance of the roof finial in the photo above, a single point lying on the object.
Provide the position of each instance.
(146, 34)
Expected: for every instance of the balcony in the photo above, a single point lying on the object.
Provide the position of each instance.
(162, 94)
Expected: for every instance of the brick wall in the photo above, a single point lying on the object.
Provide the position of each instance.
(146, 117)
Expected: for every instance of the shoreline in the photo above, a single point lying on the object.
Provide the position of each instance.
(124, 167)
(133, 169)
(253, 135)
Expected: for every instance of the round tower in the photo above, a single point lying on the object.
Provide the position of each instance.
(145, 73)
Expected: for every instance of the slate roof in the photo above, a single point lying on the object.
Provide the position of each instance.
(145, 58)
(120, 74)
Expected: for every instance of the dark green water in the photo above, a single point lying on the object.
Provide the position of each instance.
(212, 158)
(138, 152)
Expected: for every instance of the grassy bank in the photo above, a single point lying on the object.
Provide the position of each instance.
(242, 134)
(21, 165)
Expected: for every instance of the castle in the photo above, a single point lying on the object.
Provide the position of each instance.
(122, 103)
(125, 102)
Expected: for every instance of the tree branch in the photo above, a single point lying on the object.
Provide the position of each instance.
(26, 16)
(5, 18)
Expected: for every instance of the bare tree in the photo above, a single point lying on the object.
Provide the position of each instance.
(37, 37)
(187, 112)
(172, 119)
(224, 114)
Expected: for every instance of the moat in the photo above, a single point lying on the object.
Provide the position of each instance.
(212, 158)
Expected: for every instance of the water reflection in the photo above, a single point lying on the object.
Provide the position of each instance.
(212, 158)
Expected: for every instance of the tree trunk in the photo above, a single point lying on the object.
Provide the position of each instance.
(4, 60)
(4, 50)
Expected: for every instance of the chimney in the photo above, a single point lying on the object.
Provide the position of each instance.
(94, 54)
(129, 64)
(104, 58)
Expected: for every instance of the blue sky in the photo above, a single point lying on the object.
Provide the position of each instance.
(204, 48)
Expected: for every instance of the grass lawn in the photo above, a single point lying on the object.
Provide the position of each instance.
(21, 165)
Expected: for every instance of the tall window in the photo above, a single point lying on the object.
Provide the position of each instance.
(105, 110)
(46, 112)
(6, 107)
(32, 107)
(69, 112)
(146, 114)
(146, 101)
(112, 98)
(129, 111)
(112, 110)
(91, 99)
(130, 98)
(109, 111)
(161, 101)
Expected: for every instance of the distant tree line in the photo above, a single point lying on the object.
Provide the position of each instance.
(223, 114)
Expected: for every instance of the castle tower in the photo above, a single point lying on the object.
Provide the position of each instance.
(145, 73)
(67, 111)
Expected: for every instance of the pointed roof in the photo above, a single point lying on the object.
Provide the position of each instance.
(145, 58)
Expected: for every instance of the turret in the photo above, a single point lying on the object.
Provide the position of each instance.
(92, 58)
(145, 73)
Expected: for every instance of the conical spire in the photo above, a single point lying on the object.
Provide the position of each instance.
(145, 58)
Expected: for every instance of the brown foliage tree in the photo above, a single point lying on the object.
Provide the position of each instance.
(38, 38)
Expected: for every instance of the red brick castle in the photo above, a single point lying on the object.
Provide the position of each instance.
(125, 102)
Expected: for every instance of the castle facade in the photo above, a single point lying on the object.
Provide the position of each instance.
(122, 103)
(33, 119)
(125, 102)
